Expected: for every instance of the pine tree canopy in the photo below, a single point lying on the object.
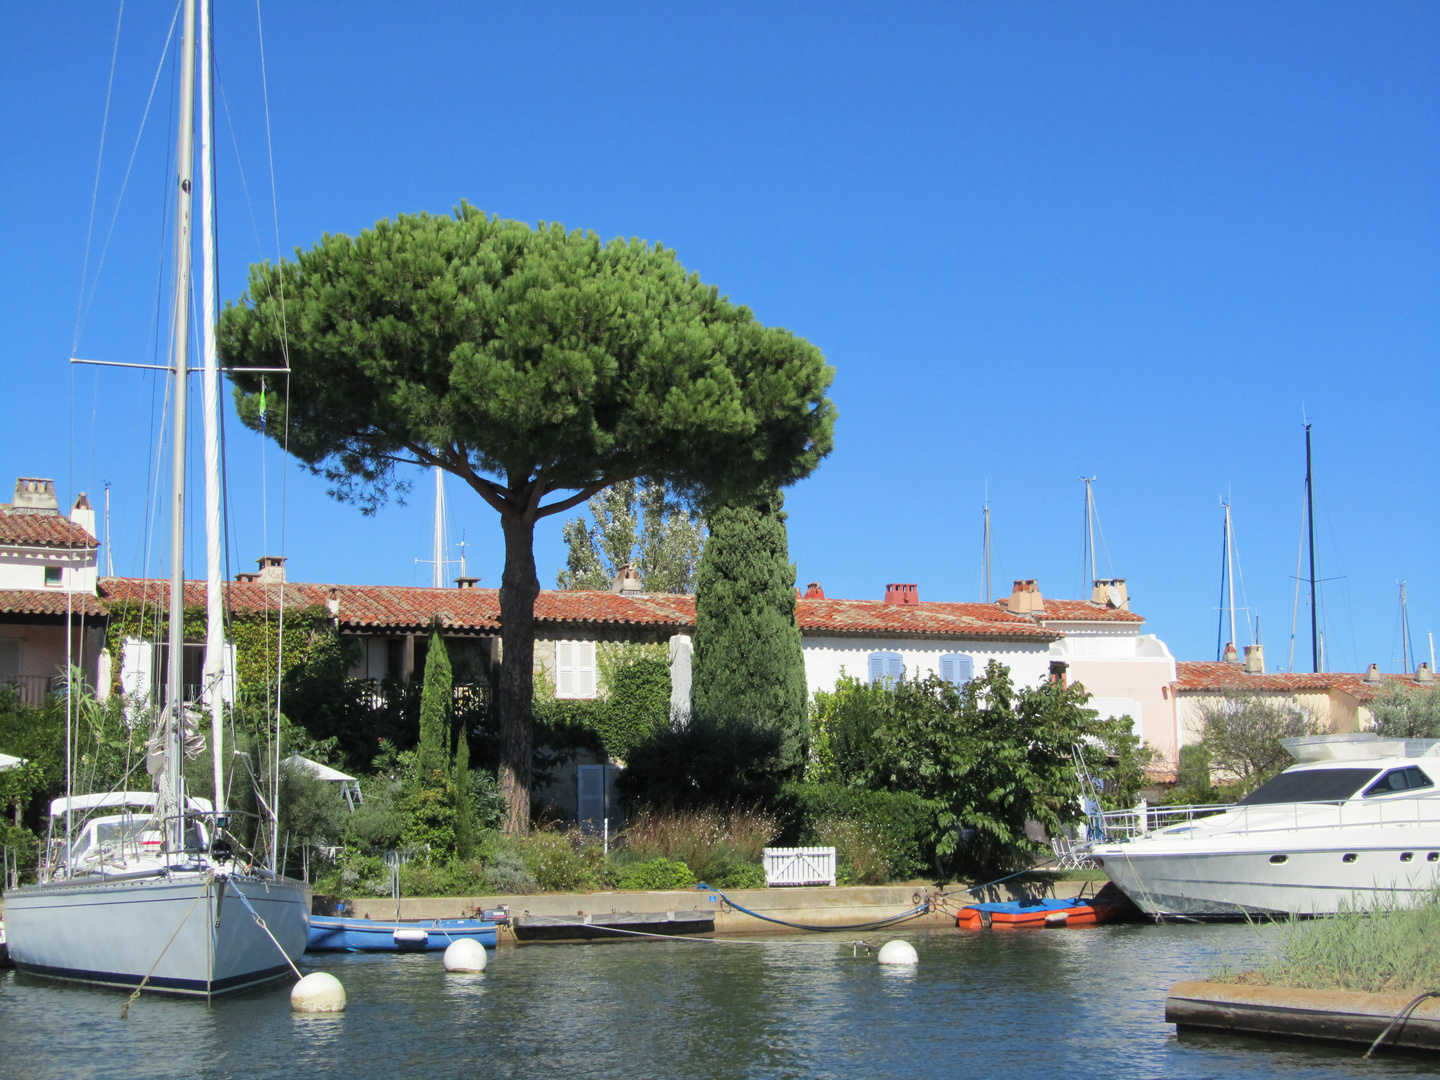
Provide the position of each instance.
(531, 363)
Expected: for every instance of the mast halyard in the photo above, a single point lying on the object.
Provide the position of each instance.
(214, 607)
(172, 798)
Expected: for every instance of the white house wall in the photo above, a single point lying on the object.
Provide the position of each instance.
(1127, 673)
(826, 658)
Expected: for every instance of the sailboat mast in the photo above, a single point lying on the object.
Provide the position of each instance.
(985, 569)
(1404, 629)
(1230, 573)
(1310, 522)
(214, 609)
(437, 552)
(180, 331)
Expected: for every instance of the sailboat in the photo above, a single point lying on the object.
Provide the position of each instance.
(151, 889)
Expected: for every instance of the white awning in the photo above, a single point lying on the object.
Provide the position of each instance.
(8, 762)
(140, 799)
(314, 768)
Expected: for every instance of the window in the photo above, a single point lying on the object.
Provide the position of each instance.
(957, 668)
(1311, 785)
(52, 576)
(1399, 780)
(886, 666)
(575, 669)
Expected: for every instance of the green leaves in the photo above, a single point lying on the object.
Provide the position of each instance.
(493, 348)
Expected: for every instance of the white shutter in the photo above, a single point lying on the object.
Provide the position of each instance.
(895, 667)
(135, 667)
(585, 680)
(565, 669)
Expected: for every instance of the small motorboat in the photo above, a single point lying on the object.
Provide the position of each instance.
(1106, 905)
(337, 933)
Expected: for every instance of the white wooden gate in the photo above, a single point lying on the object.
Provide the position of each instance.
(799, 866)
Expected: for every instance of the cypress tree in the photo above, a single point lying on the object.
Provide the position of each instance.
(460, 789)
(749, 669)
(436, 699)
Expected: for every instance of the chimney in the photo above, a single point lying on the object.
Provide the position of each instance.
(247, 577)
(1025, 598)
(1231, 656)
(84, 514)
(627, 582)
(1111, 593)
(1372, 674)
(36, 496)
(466, 582)
(1423, 674)
(903, 595)
(1255, 659)
(333, 603)
(813, 591)
(272, 569)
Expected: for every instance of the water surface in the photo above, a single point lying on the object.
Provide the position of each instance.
(1036, 1004)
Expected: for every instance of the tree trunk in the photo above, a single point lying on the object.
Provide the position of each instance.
(519, 588)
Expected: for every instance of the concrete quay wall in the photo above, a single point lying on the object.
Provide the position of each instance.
(820, 906)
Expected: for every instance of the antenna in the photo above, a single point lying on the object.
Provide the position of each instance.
(985, 550)
(463, 546)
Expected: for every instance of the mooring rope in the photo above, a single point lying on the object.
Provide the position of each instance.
(125, 1009)
(876, 924)
(1400, 1017)
(712, 940)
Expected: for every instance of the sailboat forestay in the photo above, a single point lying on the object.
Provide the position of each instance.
(145, 889)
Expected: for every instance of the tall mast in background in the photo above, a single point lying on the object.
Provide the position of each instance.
(1310, 522)
(985, 555)
(437, 554)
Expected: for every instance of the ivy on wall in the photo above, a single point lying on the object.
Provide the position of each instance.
(255, 635)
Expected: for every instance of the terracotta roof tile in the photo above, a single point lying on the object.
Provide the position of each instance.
(1087, 611)
(47, 602)
(33, 529)
(1199, 675)
(929, 619)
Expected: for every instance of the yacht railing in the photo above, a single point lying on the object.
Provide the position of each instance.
(1120, 825)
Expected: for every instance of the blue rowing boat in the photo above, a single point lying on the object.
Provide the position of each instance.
(334, 933)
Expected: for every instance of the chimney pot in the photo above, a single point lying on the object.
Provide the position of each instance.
(902, 595)
(1255, 659)
(1423, 674)
(1025, 598)
(272, 569)
(34, 495)
(247, 577)
(466, 582)
(813, 591)
(627, 582)
(1372, 673)
(1231, 656)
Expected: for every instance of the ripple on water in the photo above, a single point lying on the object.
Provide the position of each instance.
(1080, 1003)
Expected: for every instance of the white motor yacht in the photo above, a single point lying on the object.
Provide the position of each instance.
(1354, 823)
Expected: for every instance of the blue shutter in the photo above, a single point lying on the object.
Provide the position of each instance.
(886, 666)
(957, 668)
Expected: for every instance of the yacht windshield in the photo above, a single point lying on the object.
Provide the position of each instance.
(1311, 785)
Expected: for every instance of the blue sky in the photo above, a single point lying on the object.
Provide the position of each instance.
(1133, 241)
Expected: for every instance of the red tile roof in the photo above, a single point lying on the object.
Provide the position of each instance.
(47, 602)
(929, 619)
(31, 529)
(1087, 611)
(1200, 675)
(478, 610)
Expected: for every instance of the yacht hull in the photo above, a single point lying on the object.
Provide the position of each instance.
(112, 933)
(1166, 881)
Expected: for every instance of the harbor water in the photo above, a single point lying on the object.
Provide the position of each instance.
(1076, 1002)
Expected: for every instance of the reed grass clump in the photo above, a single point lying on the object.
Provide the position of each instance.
(721, 847)
(1378, 950)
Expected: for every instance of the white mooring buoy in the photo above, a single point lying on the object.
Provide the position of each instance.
(318, 992)
(898, 952)
(465, 954)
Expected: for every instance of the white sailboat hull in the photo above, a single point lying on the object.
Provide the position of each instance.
(112, 933)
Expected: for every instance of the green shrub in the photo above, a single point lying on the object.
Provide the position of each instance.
(656, 875)
(877, 835)
(507, 875)
(560, 863)
(637, 707)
